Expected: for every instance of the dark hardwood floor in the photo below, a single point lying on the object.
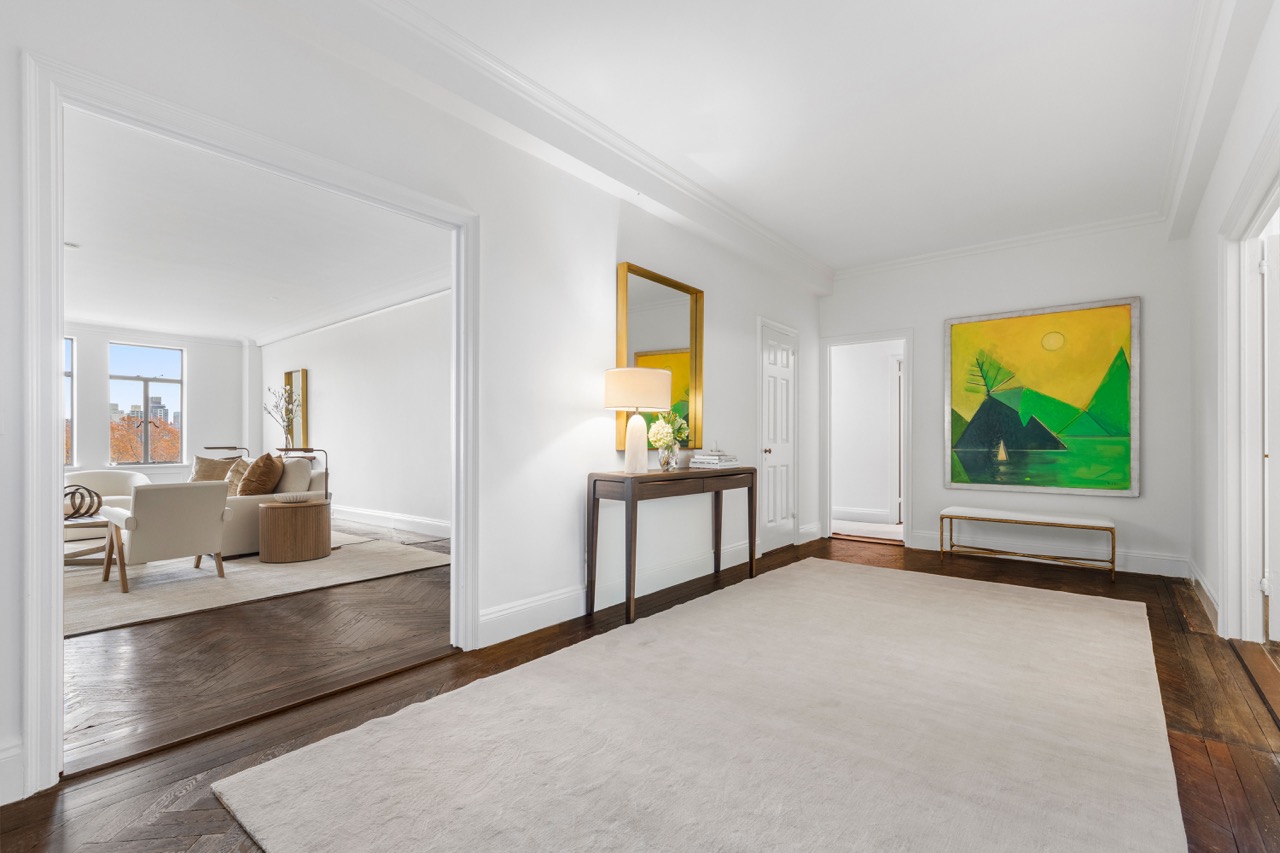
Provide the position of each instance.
(130, 691)
(1223, 739)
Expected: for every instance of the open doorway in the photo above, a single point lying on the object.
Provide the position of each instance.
(195, 288)
(866, 438)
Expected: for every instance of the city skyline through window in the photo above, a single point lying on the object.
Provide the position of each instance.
(145, 403)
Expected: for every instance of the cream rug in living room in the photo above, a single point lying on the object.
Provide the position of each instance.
(822, 706)
(172, 587)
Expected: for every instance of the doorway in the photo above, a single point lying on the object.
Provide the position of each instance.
(55, 88)
(867, 443)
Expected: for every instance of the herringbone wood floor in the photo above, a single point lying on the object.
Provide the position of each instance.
(1223, 740)
(132, 690)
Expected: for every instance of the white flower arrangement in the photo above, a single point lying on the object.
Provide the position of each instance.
(661, 434)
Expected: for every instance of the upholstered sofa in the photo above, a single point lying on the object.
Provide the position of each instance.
(240, 536)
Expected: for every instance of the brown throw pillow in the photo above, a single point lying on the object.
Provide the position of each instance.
(206, 469)
(235, 474)
(262, 476)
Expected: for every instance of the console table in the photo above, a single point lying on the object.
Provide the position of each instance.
(633, 488)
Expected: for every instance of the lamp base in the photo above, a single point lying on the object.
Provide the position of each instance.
(637, 459)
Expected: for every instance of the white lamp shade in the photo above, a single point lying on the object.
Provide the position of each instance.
(637, 389)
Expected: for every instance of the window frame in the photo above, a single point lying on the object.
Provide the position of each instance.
(146, 382)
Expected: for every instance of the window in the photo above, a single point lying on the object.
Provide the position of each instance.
(68, 400)
(146, 404)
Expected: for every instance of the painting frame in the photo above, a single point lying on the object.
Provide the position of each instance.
(1134, 305)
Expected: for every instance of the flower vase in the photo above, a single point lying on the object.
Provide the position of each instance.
(669, 457)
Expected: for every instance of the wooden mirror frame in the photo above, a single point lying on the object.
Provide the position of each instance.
(625, 271)
(297, 381)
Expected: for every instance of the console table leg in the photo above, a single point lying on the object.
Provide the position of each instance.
(717, 525)
(751, 528)
(631, 561)
(593, 539)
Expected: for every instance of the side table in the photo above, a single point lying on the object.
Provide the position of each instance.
(293, 532)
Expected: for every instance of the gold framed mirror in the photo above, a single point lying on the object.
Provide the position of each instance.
(295, 381)
(660, 325)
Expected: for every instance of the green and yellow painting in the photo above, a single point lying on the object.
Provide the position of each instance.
(1044, 400)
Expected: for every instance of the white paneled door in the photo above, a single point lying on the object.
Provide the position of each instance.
(777, 498)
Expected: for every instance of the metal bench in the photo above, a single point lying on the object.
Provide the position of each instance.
(948, 517)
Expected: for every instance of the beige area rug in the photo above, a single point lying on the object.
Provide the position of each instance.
(823, 706)
(173, 587)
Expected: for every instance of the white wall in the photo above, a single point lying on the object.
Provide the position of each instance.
(212, 404)
(1212, 347)
(864, 426)
(548, 246)
(1154, 531)
(378, 400)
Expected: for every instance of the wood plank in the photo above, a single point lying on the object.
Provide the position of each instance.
(1228, 786)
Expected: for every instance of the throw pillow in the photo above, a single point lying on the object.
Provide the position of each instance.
(206, 469)
(262, 476)
(296, 477)
(235, 474)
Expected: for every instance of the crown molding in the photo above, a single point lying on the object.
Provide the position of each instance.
(1227, 33)
(1075, 231)
(495, 70)
(407, 48)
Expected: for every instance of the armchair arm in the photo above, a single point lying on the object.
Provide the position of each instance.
(227, 513)
(121, 518)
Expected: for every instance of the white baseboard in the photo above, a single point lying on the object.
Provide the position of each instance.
(1206, 596)
(870, 516)
(1140, 562)
(809, 532)
(521, 617)
(395, 520)
(12, 772)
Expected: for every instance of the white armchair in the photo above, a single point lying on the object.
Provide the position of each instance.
(115, 486)
(166, 521)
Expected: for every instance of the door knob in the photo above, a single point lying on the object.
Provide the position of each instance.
(768, 450)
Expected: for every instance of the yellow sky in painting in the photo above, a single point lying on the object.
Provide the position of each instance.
(1064, 354)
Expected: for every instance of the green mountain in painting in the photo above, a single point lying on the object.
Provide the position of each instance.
(1110, 403)
(1021, 436)
(994, 423)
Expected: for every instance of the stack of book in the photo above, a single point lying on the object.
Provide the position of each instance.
(713, 459)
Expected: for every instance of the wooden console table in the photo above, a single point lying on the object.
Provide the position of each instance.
(633, 488)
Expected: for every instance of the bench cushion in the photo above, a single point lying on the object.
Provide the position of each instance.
(1028, 517)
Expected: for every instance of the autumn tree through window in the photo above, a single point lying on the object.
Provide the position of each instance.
(146, 404)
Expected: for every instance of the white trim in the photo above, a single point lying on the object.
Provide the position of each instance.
(417, 300)
(809, 532)
(825, 345)
(1120, 224)
(1241, 443)
(50, 85)
(864, 514)
(517, 618)
(794, 497)
(11, 772)
(1140, 562)
(395, 520)
(145, 338)
(1206, 596)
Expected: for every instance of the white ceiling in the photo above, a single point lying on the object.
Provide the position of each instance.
(179, 240)
(870, 132)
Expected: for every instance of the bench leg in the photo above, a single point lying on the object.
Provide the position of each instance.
(1113, 555)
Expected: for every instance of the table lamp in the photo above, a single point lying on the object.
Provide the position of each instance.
(637, 389)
